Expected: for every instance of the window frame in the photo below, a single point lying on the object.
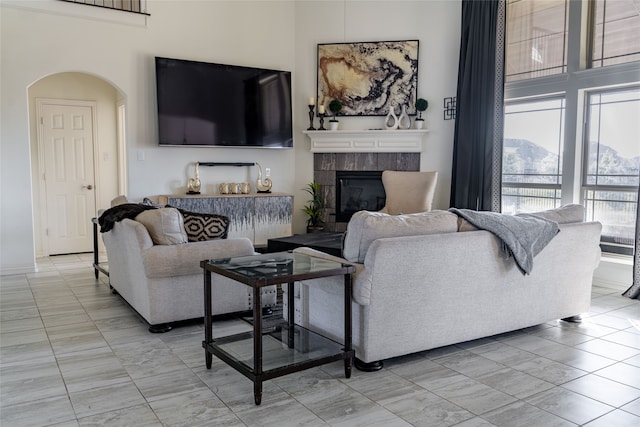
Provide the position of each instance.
(579, 79)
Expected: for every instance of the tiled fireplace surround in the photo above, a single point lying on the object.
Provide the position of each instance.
(325, 166)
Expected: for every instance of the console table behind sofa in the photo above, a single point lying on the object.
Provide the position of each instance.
(256, 216)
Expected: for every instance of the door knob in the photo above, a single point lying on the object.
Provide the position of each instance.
(88, 187)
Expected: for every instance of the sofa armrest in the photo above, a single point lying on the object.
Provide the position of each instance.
(334, 284)
(182, 260)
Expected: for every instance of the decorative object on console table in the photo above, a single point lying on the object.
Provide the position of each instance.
(374, 83)
(312, 104)
(404, 122)
(314, 208)
(335, 107)
(421, 105)
(193, 186)
(263, 186)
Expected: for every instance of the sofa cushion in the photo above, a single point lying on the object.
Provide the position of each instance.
(365, 227)
(562, 215)
(200, 227)
(165, 226)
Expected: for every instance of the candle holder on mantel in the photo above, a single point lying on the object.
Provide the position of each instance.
(322, 116)
(311, 118)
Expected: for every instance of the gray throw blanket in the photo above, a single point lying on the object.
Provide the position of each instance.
(523, 236)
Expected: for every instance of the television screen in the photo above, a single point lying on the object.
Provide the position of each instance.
(206, 104)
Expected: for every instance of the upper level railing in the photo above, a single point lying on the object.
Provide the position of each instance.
(133, 6)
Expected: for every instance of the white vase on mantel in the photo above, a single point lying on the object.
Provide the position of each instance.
(333, 125)
(404, 122)
(391, 121)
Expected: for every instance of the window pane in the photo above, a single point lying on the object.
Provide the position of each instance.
(615, 32)
(532, 155)
(536, 38)
(612, 144)
(613, 135)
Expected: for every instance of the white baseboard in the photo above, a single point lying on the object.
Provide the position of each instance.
(19, 269)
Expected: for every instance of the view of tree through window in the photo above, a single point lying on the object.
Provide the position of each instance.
(532, 155)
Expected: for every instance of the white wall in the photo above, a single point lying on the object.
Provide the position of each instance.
(436, 24)
(271, 34)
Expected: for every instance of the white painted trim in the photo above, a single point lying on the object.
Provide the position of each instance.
(24, 269)
(366, 141)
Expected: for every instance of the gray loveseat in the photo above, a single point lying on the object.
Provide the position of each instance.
(164, 282)
(421, 283)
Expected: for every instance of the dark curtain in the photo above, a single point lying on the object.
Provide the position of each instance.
(477, 147)
(634, 290)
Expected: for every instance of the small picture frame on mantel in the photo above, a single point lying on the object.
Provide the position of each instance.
(369, 78)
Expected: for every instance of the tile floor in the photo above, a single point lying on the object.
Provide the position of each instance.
(73, 354)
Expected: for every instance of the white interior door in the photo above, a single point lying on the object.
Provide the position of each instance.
(67, 143)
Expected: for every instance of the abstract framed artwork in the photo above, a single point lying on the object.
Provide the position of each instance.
(369, 77)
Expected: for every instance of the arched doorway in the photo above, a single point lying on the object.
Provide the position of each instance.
(92, 103)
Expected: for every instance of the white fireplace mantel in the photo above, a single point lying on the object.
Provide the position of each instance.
(366, 141)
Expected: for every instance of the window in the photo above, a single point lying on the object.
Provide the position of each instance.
(532, 155)
(593, 124)
(615, 29)
(536, 38)
(612, 165)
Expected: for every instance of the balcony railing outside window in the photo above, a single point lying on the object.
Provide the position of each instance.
(529, 198)
(616, 210)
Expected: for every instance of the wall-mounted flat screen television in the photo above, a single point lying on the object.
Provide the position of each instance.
(207, 104)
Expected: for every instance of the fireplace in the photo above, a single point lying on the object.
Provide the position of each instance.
(358, 191)
(327, 166)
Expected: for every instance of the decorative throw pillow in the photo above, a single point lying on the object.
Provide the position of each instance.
(562, 215)
(201, 226)
(165, 226)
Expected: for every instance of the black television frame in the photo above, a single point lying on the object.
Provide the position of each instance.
(255, 111)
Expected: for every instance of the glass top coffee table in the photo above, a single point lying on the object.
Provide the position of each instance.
(261, 355)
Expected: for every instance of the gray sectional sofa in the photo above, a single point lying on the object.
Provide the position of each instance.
(422, 283)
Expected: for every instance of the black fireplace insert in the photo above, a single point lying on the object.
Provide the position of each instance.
(357, 191)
